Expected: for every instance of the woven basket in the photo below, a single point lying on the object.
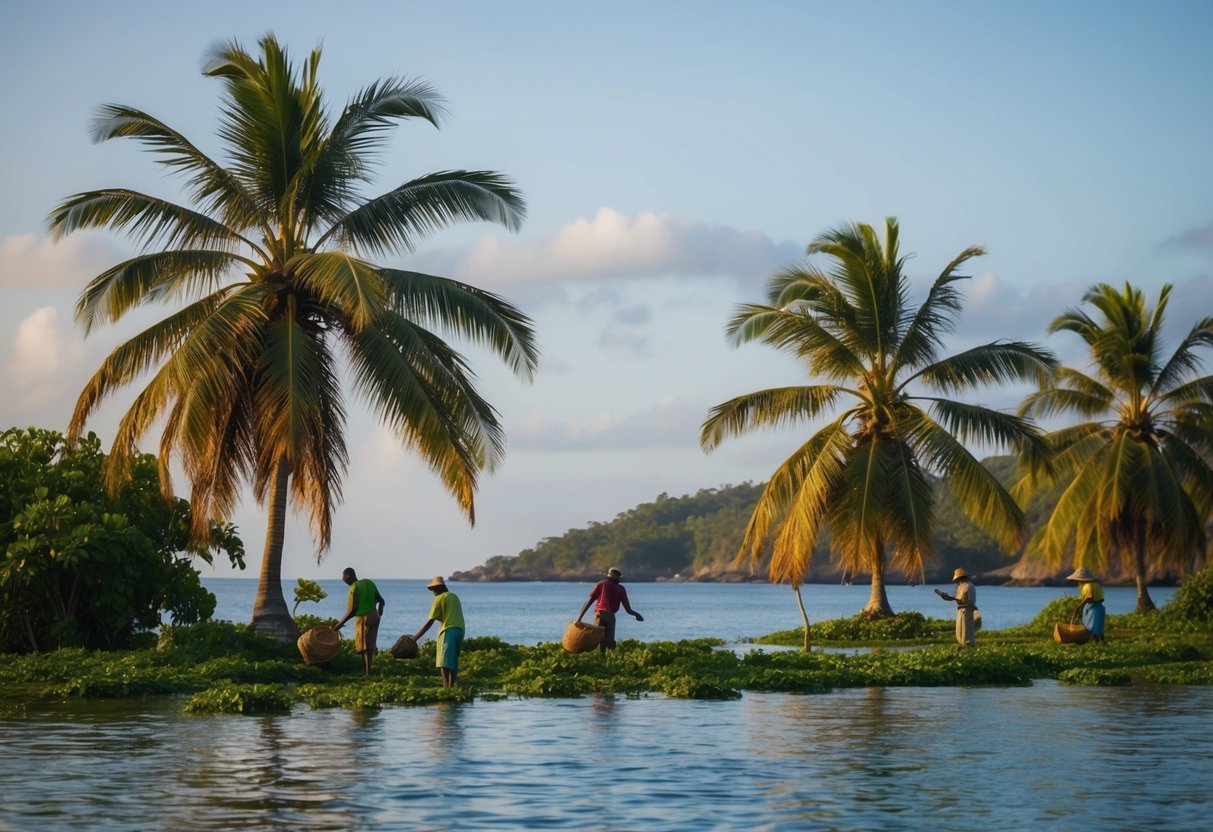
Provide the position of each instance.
(580, 637)
(405, 647)
(1071, 633)
(319, 644)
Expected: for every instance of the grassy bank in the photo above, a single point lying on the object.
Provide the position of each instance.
(219, 667)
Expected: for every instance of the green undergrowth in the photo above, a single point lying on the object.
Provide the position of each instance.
(225, 668)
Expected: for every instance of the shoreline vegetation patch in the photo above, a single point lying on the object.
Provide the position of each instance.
(218, 667)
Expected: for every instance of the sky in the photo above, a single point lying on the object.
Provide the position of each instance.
(673, 156)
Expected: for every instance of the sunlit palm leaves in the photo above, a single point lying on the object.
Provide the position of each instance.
(1137, 474)
(270, 264)
(863, 478)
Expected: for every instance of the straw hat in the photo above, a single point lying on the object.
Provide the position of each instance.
(614, 573)
(960, 573)
(437, 582)
(1080, 574)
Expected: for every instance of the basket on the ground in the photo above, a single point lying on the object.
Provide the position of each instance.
(1071, 633)
(405, 647)
(580, 637)
(319, 644)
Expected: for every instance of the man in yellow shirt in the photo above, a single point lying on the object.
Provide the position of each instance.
(1090, 597)
(449, 611)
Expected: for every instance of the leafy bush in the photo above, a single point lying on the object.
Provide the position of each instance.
(1193, 600)
(82, 566)
(240, 699)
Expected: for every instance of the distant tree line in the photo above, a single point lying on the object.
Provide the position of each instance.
(697, 536)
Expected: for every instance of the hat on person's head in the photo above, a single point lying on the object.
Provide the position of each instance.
(437, 582)
(614, 572)
(1080, 574)
(960, 573)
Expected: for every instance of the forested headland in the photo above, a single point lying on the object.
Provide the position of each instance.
(696, 537)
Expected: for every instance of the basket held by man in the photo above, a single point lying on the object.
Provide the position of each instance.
(580, 637)
(405, 647)
(319, 644)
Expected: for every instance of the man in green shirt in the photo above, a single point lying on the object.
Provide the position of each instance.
(449, 611)
(366, 608)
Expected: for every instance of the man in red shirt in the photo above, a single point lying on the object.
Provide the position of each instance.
(609, 594)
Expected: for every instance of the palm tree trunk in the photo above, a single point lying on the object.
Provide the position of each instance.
(878, 601)
(1144, 602)
(270, 615)
(803, 616)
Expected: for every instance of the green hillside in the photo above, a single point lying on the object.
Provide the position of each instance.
(696, 537)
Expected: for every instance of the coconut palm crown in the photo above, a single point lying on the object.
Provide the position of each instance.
(269, 264)
(863, 477)
(1136, 472)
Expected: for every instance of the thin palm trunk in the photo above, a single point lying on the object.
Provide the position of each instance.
(270, 614)
(878, 602)
(803, 615)
(1144, 602)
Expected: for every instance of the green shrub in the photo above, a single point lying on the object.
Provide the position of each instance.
(240, 699)
(687, 687)
(1193, 600)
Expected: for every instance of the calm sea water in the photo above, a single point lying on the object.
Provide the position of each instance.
(1025, 758)
(1041, 757)
(528, 613)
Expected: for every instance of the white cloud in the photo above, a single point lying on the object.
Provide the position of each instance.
(615, 245)
(43, 357)
(32, 260)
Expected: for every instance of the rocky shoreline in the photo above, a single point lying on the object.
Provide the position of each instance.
(1022, 573)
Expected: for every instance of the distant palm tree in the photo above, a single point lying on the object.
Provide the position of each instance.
(1137, 476)
(864, 476)
(269, 265)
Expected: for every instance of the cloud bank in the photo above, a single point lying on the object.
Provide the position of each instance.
(615, 245)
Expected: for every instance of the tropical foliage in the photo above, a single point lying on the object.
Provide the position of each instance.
(1136, 473)
(865, 475)
(84, 567)
(269, 261)
(226, 668)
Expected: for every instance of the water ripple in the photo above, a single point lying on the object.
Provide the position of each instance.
(888, 759)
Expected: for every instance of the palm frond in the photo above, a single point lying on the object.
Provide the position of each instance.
(211, 186)
(484, 317)
(1184, 361)
(152, 277)
(999, 362)
(352, 286)
(975, 423)
(397, 220)
(771, 408)
(146, 219)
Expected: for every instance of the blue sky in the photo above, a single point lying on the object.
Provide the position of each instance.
(673, 155)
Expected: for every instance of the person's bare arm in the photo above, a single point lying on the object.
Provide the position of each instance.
(424, 629)
(631, 611)
(348, 614)
(585, 609)
(379, 603)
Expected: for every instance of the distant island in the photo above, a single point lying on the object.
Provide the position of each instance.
(696, 537)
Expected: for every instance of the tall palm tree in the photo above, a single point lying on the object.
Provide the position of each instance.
(276, 295)
(863, 476)
(1137, 473)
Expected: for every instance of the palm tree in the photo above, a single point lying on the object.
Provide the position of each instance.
(269, 266)
(864, 475)
(1137, 476)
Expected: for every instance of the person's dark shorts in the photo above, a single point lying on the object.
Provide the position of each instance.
(606, 620)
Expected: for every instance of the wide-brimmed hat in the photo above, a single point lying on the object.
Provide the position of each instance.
(614, 572)
(1080, 574)
(437, 582)
(959, 573)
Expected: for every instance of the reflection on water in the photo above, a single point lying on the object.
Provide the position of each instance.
(900, 758)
